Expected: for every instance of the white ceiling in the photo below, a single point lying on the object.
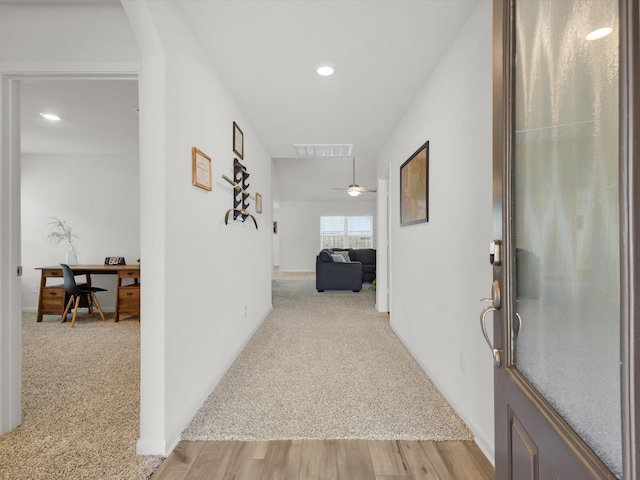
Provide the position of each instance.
(96, 116)
(266, 51)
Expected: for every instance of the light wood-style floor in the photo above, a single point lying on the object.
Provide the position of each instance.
(326, 460)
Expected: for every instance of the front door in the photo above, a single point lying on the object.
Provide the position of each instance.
(560, 163)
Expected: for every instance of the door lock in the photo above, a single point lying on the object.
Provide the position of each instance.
(495, 252)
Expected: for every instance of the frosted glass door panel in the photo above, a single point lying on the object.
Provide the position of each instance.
(566, 214)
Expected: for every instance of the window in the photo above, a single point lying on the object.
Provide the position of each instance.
(346, 232)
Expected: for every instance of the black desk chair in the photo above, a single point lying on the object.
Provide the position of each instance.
(75, 293)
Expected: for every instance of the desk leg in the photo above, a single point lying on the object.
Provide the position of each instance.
(116, 318)
(43, 282)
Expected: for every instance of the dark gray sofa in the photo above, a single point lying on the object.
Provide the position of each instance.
(332, 275)
(366, 256)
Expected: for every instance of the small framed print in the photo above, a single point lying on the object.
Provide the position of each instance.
(201, 165)
(258, 203)
(238, 141)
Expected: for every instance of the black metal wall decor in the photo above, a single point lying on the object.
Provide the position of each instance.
(239, 183)
(240, 195)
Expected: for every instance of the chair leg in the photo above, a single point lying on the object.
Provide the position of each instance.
(99, 307)
(75, 311)
(66, 310)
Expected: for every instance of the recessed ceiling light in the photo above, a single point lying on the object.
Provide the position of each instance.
(325, 71)
(599, 33)
(51, 116)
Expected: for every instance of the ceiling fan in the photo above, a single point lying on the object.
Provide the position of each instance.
(354, 189)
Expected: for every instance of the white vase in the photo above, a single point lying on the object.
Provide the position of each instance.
(72, 257)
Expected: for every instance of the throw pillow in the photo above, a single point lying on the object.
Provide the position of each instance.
(345, 254)
(338, 258)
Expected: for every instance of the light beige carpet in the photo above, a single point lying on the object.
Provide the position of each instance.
(325, 366)
(80, 403)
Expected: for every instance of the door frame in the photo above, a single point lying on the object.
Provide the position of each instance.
(10, 213)
(630, 233)
(10, 302)
(382, 246)
(629, 239)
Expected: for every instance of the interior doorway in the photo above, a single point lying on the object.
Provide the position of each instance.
(61, 186)
(82, 169)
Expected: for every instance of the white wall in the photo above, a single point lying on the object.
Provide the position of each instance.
(200, 274)
(440, 269)
(78, 32)
(99, 194)
(299, 229)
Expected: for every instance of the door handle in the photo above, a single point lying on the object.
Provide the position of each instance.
(497, 356)
(516, 330)
(495, 305)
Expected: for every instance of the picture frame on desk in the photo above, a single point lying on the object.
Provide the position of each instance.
(114, 261)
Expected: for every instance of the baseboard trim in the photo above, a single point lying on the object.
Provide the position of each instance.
(485, 444)
(233, 359)
(152, 447)
(486, 447)
(143, 446)
(295, 271)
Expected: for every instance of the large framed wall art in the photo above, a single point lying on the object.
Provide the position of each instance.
(414, 188)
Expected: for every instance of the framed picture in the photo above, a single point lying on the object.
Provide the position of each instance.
(201, 168)
(414, 188)
(258, 203)
(238, 141)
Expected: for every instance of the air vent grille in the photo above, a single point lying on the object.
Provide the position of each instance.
(324, 150)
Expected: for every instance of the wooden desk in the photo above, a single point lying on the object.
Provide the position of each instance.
(52, 298)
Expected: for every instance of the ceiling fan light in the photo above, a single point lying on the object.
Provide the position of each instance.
(354, 190)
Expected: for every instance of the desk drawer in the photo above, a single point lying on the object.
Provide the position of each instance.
(133, 273)
(53, 299)
(50, 272)
(129, 299)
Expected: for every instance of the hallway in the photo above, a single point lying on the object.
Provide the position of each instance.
(267, 400)
(325, 366)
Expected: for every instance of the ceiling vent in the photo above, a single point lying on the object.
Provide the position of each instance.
(311, 150)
